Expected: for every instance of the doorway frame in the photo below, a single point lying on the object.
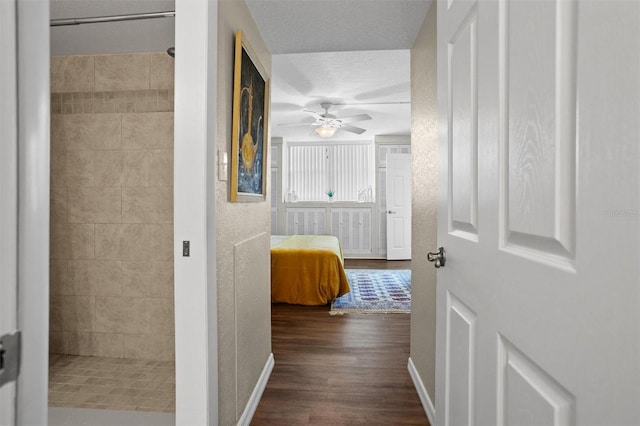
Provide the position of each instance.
(9, 191)
(32, 39)
(194, 214)
(195, 118)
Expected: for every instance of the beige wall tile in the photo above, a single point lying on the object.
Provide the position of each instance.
(161, 71)
(87, 102)
(55, 313)
(147, 205)
(161, 168)
(108, 241)
(147, 278)
(121, 315)
(81, 241)
(129, 241)
(95, 259)
(165, 100)
(58, 276)
(95, 278)
(72, 73)
(96, 344)
(136, 168)
(95, 205)
(161, 242)
(152, 130)
(109, 167)
(71, 241)
(56, 103)
(79, 168)
(57, 133)
(57, 342)
(91, 131)
(58, 204)
(59, 244)
(146, 101)
(78, 313)
(161, 318)
(72, 343)
(136, 242)
(150, 346)
(122, 72)
(58, 169)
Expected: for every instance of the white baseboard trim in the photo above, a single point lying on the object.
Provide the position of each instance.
(427, 404)
(254, 400)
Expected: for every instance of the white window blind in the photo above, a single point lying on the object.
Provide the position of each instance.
(346, 168)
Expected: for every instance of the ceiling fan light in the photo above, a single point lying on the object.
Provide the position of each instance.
(325, 131)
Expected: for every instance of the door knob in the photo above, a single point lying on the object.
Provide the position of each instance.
(391, 212)
(439, 258)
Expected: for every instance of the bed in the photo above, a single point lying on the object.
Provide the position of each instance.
(307, 269)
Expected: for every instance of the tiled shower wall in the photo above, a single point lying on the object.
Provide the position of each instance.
(112, 206)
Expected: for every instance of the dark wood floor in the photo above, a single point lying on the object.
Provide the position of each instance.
(340, 370)
(376, 264)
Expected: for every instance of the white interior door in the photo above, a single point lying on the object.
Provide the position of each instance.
(398, 206)
(8, 191)
(538, 312)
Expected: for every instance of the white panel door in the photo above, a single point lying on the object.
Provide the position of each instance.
(275, 199)
(381, 200)
(8, 191)
(538, 305)
(398, 206)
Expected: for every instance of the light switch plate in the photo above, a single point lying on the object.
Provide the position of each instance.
(223, 166)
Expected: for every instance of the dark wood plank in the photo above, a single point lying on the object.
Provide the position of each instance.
(339, 370)
(376, 264)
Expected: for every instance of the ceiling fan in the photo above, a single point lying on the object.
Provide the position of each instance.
(326, 124)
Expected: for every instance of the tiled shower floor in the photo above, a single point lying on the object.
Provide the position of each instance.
(111, 383)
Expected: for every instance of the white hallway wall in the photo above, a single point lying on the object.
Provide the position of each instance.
(242, 240)
(424, 147)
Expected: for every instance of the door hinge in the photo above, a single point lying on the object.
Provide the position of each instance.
(9, 357)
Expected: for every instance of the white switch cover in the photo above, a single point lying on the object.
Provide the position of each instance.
(223, 166)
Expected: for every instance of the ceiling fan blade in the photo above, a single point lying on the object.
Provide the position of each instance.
(353, 129)
(354, 118)
(314, 114)
(294, 125)
(304, 123)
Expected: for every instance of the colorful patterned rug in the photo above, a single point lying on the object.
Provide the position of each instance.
(375, 291)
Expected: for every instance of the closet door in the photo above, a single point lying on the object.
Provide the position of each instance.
(352, 226)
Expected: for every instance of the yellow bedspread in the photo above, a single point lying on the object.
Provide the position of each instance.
(307, 270)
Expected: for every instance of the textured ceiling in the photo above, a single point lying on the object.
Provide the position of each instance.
(302, 26)
(369, 82)
(365, 63)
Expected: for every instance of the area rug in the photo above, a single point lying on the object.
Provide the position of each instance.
(375, 291)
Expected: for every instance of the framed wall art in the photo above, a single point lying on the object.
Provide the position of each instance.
(250, 125)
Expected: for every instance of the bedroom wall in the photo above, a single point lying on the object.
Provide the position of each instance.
(424, 146)
(243, 229)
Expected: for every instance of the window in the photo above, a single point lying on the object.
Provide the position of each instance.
(345, 168)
